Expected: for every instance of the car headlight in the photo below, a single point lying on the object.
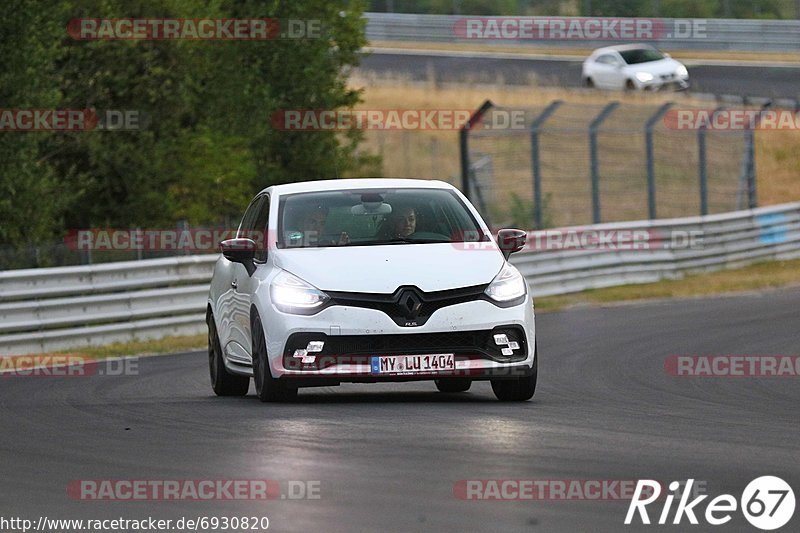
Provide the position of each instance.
(508, 286)
(682, 71)
(644, 77)
(291, 294)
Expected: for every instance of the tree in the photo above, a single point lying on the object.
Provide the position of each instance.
(208, 144)
(29, 195)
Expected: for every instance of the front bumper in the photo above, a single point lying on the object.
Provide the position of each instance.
(353, 335)
(661, 83)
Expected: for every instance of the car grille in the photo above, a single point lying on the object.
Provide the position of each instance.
(358, 348)
(409, 306)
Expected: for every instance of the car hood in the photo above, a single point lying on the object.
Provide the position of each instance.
(382, 269)
(656, 68)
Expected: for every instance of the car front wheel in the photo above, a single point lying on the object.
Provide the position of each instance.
(268, 389)
(518, 389)
(223, 382)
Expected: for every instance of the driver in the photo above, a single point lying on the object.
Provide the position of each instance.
(402, 223)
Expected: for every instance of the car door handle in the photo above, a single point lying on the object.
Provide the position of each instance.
(234, 284)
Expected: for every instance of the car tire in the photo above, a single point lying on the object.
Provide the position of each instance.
(588, 83)
(630, 86)
(223, 382)
(268, 389)
(519, 389)
(453, 384)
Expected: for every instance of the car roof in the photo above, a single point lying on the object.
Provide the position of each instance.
(621, 48)
(356, 183)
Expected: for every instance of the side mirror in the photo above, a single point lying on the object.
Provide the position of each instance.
(240, 251)
(511, 240)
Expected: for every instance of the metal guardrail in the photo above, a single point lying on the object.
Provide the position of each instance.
(718, 34)
(51, 309)
(45, 310)
(728, 240)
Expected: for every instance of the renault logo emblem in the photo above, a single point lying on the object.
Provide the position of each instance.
(410, 304)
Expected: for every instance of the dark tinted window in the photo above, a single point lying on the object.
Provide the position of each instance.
(374, 217)
(249, 218)
(641, 55)
(260, 228)
(254, 225)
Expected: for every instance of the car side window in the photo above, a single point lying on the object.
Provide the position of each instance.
(248, 220)
(254, 225)
(260, 229)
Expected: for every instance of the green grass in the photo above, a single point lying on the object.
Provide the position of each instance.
(167, 345)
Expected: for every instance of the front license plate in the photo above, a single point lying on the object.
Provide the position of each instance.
(413, 364)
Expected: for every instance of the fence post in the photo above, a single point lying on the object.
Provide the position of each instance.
(750, 139)
(464, 145)
(752, 196)
(406, 153)
(594, 164)
(701, 166)
(651, 169)
(536, 127)
(702, 163)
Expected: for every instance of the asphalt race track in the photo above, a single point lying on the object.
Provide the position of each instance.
(387, 456)
(752, 81)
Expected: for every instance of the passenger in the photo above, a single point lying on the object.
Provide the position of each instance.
(312, 227)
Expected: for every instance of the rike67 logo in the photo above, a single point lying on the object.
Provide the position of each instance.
(767, 503)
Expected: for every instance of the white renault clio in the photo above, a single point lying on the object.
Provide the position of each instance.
(369, 280)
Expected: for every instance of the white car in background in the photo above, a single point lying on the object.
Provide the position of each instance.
(633, 66)
(369, 280)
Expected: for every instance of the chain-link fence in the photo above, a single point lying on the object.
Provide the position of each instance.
(570, 164)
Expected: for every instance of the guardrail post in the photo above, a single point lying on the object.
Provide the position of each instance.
(536, 127)
(651, 170)
(594, 164)
(464, 145)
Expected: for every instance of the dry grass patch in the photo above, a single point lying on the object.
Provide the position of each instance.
(435, 154)
(761, 276)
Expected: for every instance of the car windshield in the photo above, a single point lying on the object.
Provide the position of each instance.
(641, 55)
(375, 217)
